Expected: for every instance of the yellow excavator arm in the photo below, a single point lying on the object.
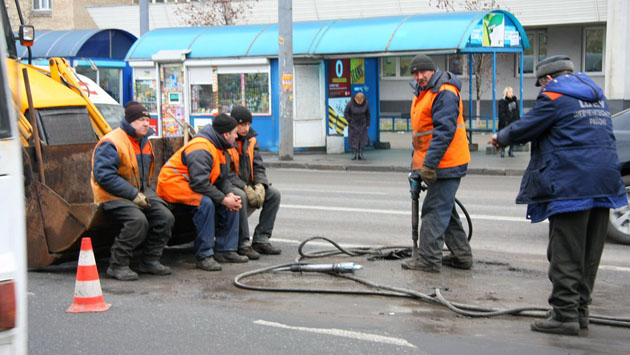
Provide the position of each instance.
(62, 72)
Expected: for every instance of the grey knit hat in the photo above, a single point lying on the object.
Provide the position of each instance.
(551, 65)
(421, 62)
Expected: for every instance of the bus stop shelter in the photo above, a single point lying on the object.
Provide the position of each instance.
(97, 54)
(189, 74)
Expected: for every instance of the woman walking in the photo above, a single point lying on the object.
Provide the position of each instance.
(357, 113)
(508, 113)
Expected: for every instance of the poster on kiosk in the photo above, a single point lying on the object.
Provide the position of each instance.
(345, 78)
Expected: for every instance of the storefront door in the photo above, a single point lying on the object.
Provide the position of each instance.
(309, 124)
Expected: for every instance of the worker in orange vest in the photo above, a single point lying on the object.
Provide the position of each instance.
(440, 159)
(122, 167)
(195, 180)
(249, 179)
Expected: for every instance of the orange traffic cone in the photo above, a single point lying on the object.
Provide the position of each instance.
(88, 296)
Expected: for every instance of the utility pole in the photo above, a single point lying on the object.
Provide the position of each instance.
(285, 71)
(144, 16)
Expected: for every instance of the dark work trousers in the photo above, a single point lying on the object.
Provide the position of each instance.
(266, 220)
(441, 223)
(576, 242)
(211, 220)
(152, 226)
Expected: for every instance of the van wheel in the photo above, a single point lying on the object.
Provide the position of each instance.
(619, 222)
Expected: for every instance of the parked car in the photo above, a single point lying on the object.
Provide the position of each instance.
(619, 223)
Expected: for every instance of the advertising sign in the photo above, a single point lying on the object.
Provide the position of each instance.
(339, 78)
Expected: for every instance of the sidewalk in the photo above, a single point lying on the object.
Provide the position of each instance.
(398, 158)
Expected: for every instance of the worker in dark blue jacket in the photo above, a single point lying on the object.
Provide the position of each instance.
(573, 179)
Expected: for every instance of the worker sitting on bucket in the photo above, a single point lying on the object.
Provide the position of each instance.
(195, 179)
(440, 158)
(249, 181)
(122, 167)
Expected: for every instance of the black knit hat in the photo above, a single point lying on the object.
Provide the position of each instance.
(421, 62)
(241, 114)
(552, 65)
(223, 123)
(135, 110)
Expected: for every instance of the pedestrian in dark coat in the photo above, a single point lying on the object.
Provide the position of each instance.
(573, 179)
(357, 113)
(508, 113)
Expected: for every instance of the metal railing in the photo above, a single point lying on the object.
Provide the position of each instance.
(402, 123)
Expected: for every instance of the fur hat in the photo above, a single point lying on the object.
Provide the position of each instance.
(135, 110)
(241, 114)
(421, 62)
(223, 123)
(552, 65)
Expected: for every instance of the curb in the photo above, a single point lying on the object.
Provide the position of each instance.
(383, 168)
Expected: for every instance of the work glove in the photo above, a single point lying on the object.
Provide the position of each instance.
(252, 196)
(260, 191)
(141, 201)
(428, 175)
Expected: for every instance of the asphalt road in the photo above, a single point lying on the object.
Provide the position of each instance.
(197, 312)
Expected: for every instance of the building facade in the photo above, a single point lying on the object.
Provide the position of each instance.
(592, 32)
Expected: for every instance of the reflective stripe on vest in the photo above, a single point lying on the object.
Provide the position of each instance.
(420, 134)
(457, 152)
(174, 179)
(128, 167)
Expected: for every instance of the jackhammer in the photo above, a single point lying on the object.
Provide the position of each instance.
(416, 185)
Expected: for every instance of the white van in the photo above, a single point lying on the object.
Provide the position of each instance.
(109, 108)
(13, 328)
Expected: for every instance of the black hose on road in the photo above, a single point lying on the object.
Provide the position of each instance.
(391, 291)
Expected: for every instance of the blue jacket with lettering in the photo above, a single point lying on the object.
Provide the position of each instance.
(573, 154)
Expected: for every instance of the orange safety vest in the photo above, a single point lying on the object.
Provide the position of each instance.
(457, 152)
(128, 168)
(174, 179)
(236, 153)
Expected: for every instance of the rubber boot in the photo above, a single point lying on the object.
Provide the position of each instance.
(354, 154)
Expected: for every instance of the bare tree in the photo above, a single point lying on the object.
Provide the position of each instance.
(214, 12)
(482, 62)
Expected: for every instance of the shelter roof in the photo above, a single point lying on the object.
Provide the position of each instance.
(484, 31)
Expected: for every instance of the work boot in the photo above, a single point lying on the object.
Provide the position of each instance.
(122, 273)
(456, 262)
(553, 326)
(209, 264)
(229, 257)
(583, 318)
(153, 267)
(417, 264)
(247, 251)
(266, 248)
(354, 154)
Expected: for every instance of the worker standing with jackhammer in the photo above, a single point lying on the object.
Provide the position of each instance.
(440, 159)
(573, 179)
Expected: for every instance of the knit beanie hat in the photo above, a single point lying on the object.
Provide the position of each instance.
(553, 64)
(223, 123)
(421, 62)
(135, 110)
(241, 114)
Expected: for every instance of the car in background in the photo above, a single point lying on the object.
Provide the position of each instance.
(619, 222)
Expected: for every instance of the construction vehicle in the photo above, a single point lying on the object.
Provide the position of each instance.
(59, 127)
